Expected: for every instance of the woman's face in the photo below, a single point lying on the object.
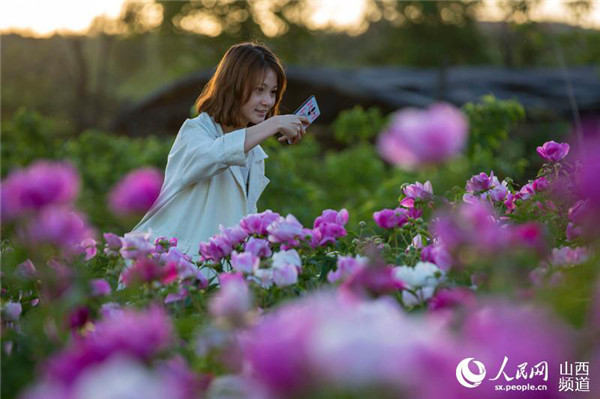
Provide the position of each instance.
(262, 99)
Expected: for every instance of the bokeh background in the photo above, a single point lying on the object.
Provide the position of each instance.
(107, 85)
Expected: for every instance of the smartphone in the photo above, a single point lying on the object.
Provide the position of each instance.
(310, 109)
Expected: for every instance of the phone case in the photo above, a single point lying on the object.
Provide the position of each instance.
(310, 109)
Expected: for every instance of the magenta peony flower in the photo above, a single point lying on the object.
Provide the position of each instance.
(143, 270)
(540, 185)
(552, 151)
(419, 191)
(372, 280)
(258, 246)
(451, 298)
(419, 137)
(257, 223)
(136, 192)
(100, 287)
(139, 335)
(113, 244)
(481, 182)
(438, 255)
(217, 248)
(473, 225)
(390, 218)
(41, 184)
(331, 216)
(88, 247)
(57, 226)
(573, 232)
(531, 235)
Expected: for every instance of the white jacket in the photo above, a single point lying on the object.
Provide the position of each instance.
(204, 185)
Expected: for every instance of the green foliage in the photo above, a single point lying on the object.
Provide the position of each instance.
(358, 125)
(28, 137)
(490, 123)
(102, 160)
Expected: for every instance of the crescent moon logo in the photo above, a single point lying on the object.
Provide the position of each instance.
(465, 377)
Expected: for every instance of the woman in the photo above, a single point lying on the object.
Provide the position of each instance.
(215, 171)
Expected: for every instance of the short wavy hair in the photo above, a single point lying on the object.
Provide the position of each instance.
(242, 68)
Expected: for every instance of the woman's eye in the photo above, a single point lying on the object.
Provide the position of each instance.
(274, 92)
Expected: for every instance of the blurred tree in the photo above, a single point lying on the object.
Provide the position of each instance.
(521, 39)
(427, 33)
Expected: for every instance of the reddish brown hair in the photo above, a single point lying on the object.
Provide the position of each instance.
(241, 69)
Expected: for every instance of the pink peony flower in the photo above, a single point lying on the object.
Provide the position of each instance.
(100, 287)
(136, 192)
(233, 300)
(217, 248)
(11, 311)
(88, 247)
(113, 244)
(257, 223)
(346, 266)
(139, 335)
(26, 270)
(419, 137)
(573, 232)
(451, 298)
(235, 235)
(438, 255)
(162, 244)
(390, 218)
(552, 151)
(287, 231)
(328, 227)
(246, 262)
(473, 225)
(481, 182)
(143, 270)
(419, 191)
(372, 280)
(286, 265)
(58, 226)
(136, 245)
(331, 216)
(285, 275)
(540, 185)
(41, 184)
(258, 246)
(566, 256)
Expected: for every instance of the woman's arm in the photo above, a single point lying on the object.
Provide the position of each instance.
(291, 126)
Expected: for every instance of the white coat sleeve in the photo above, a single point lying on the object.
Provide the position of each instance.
(203, 156)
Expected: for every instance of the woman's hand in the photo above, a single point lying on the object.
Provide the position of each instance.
(291, 127)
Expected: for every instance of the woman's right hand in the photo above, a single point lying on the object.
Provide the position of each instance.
(291, 127)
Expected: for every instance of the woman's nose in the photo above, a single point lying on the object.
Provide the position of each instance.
(268, 100)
